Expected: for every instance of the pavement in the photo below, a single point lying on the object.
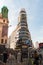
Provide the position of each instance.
(21, 63)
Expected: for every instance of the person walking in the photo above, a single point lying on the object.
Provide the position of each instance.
(40, 59)
(11, 59)
(5, 57)
(36, 58)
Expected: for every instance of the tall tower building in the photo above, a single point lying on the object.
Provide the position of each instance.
(22, 26)
(21, 32)
(4, 25)
(24, 37)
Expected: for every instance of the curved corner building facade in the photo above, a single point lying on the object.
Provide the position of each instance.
(21, 31)
(22, 26)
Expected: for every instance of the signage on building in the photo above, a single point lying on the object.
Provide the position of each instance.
(40, 45)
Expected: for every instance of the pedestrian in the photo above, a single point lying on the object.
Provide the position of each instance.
(36, 58)
(5, 56)
(11, 59)
(40, 58)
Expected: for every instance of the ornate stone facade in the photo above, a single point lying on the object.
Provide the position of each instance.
(4, 25)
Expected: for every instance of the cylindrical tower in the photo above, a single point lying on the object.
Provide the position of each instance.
(24, 33)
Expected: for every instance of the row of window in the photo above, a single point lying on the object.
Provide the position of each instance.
(23, 18)
(23, 30)
(22, 22)
(5, 21)
(21, 36)
(23, 11)
(2, 41)
(23, 33)
(23, 15)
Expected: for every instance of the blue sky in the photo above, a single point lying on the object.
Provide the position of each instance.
(34, 9)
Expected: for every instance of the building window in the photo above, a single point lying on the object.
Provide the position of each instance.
(23, 15)
(7, 21)
(3, 20)
(23, 24)
(6, 41)
(1, 40)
